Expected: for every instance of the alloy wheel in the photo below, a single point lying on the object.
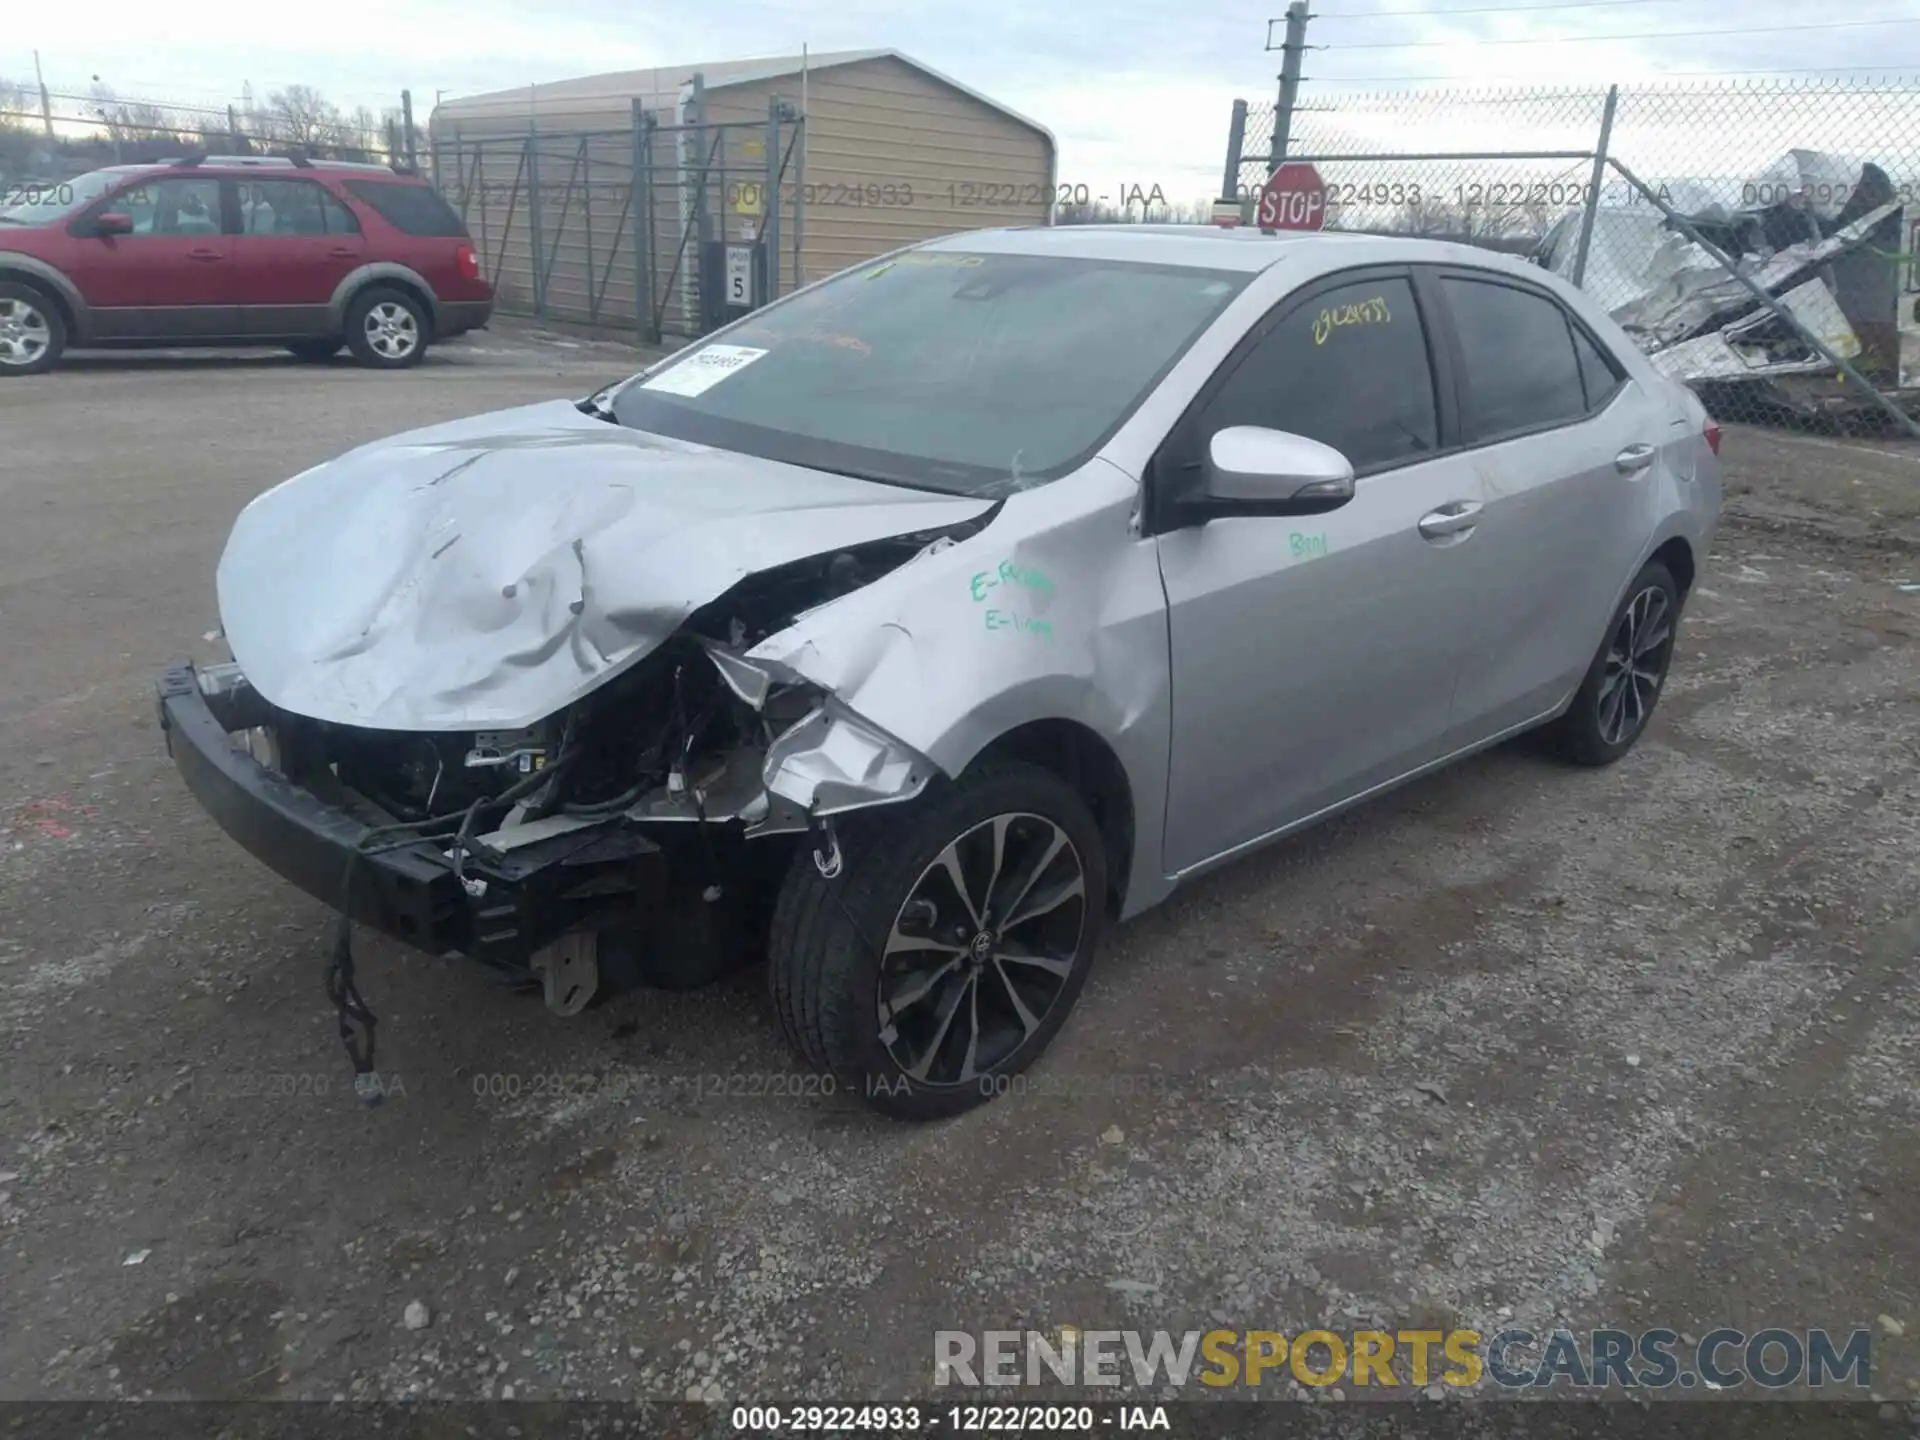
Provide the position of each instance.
(392, 332)
(1636, 665)
(24, 332)
(981, 950)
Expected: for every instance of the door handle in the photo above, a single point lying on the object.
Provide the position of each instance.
(203, 254)
(1633, 458)
(341, 252)
(1454, 519)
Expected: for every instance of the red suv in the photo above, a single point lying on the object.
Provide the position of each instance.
(235, 250)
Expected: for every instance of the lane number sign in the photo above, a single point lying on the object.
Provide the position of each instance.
(740, 275)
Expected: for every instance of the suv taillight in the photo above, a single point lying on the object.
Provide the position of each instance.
(1712, 432)
(469, 264)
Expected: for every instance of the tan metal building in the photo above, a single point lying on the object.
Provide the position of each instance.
(872, 150)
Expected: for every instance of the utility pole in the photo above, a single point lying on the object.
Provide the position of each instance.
(1292, 49)
(46, 101)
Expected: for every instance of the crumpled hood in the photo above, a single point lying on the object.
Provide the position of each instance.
(484, 573)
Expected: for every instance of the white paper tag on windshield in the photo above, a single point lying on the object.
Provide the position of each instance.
(703, 370)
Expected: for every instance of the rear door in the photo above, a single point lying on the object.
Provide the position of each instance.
(1564, 442)
(1314, 659)
(172, 277)
(296, 244)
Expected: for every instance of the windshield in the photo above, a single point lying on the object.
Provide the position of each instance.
(975, 374)
(35, 202)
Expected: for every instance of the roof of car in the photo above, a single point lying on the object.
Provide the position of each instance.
(1214, 247)
(277, 164)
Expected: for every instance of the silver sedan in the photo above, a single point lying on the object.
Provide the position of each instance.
(913, 629)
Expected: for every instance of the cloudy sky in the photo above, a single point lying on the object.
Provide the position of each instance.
(1137, 92)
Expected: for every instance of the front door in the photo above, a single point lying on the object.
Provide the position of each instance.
(171, 277)
(296, 244)
(1314, 659)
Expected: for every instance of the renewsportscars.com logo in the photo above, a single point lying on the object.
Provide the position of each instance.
(1655, 1359)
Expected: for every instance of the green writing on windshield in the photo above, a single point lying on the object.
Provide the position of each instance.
(1304, 546)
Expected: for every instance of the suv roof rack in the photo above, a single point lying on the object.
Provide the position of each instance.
(296, 158)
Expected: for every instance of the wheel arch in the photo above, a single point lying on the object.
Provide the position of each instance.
(63, 293)
(390, 274)
(1078, 755)
(1676, 553)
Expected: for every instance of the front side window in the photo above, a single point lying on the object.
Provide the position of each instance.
(971, 373)
(292, 207)
(171, 207)
(1522, 372)
(1347, 367)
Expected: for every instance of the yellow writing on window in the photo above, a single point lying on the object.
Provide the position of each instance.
(1362, 312)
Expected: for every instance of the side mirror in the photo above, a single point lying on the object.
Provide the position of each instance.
(113, 222)
(1251, 470)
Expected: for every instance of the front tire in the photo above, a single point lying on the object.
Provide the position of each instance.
(33, 335)
(1610, 711)
(949, 950)
(386, 328)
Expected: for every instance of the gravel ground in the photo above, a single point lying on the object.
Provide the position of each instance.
(1517, 1045)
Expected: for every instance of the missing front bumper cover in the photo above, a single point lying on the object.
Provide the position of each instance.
(573, 878)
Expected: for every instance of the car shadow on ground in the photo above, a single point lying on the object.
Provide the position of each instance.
(210, 360)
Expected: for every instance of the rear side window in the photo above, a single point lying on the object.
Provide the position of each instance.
(1598, 370)
(1347, 368)
(292, 207)
(415, 209)
(1522, 372)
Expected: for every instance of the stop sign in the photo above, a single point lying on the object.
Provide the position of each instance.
(1295, 198)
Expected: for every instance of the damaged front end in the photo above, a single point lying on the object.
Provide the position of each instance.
(634, 836)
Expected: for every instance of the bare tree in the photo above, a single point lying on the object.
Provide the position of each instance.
(300, 115)
(18, 135)
(131, 120)
(1468, 220)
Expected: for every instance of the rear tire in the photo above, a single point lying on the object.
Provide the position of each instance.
(33, 334)
(315, 351)
(386, 328)
(883, 976)
(1615, 702)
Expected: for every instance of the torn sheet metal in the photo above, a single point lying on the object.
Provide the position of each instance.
(487, 572)
(1764, 344)
(833, 761)
(1907, 308)
(1807, 210)
(1691, 297)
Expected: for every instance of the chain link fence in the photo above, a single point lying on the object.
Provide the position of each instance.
(1756, 239)
(657, 229)
(50, 135)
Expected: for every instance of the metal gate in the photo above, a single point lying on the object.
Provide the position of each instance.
(671, 226)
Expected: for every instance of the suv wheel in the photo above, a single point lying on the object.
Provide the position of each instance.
(386, 328)
(948, 951)
(32, 334)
